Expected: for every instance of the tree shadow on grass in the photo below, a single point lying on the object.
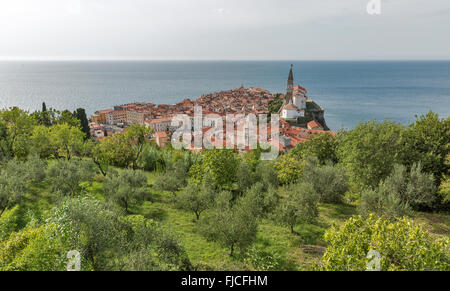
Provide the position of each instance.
(310, 234)
(152, 211)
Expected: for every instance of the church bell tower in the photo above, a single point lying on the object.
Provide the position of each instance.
(290, 87)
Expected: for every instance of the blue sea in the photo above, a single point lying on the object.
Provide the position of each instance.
(348, 91)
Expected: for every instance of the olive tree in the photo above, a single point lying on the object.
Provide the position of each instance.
(400, 193)
(125, 187)
(13, 184)
(330, 182)
(299, 205)
(196, 198)
(232, 225)
(66, 176)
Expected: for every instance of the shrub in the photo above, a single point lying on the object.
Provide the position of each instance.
(370, 150)
(402, 245)
(196, 198)
(329, 181)
(263, 260)
(298, 206)
(126, 187)
(232, 225)
(267, 174)
(66, 176)
(9, 222)
(289, 169)
(400, 193)
(33, 249)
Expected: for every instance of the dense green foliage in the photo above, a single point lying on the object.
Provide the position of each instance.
(147, 208)
(233, 225)
(402, 245)
(321, 146)
(221, 165)
(298, 206)
(369, 151)
(66, 176)
(330, 182)
(125, 188)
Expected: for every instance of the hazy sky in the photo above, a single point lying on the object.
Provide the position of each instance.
(223, 29)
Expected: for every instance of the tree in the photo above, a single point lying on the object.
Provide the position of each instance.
(244, 177)
(149, 247)
(196, 198)
(35, 169)
(267, 174)
(400, 194)
(444, 189)
(275, 104)
(108, 241)
(173, 179)
(299, 205)
(90, 227)
(66, 176)
(42, 142)
(232, 225)
(80, 114)
(369, 151)
(138, 135)
(16, 127)
(66, 117)
(428, 142)
(67, 139)
(115, 150)
(34, 249)
(329, 181)
(45, 116)
(402, 245)
(126, 188)
(4, 146)
(13, 184)
(16, 178)
(289, 169)
(260, 200)
(321, 146)
(220, 164)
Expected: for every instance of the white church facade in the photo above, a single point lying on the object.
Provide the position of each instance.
(295, 101)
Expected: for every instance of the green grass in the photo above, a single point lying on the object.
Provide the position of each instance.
(295, 249)
(298, 251)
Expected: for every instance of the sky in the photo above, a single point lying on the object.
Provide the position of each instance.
(224, 30)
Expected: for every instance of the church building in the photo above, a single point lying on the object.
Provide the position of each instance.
(295, 100)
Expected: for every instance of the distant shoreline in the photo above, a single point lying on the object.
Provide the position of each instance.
(349, 90)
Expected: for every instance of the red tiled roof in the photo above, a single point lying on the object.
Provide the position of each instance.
(313, 124)
(161, 134)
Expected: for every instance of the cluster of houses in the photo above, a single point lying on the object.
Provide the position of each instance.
(239, 101)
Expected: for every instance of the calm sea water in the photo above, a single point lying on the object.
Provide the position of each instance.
(348, 91)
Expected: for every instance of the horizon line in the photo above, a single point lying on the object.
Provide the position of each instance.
(208, 60)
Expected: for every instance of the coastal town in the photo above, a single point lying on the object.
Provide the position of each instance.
(300, 116)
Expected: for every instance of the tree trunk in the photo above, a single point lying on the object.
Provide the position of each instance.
(92, 259)
(100, 167)
(137, 157)
(3, 210)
